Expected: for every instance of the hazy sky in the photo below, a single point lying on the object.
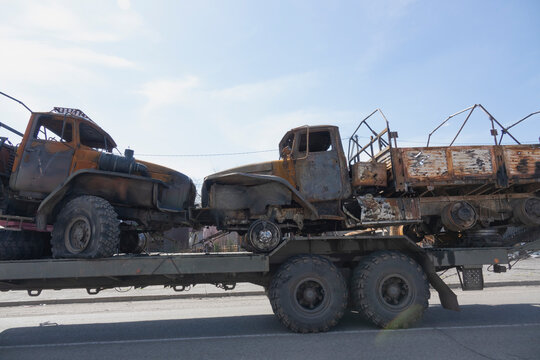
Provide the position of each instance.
(209, 77)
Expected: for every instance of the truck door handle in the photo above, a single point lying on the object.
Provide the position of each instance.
(31, 149)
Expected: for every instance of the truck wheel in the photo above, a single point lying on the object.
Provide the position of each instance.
(19, 245)
(390, 289)
(86, 227)
(308, 294)
(263, 236)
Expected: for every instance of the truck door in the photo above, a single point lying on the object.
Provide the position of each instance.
(47, 156)
(318, 173)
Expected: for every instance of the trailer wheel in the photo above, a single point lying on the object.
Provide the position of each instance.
(86, 227)
(390, 289)
(19, 245)
(308, 294)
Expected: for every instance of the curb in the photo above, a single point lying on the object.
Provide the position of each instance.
(109, 299)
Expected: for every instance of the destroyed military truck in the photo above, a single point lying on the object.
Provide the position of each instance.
(63, 184)
(451, 196)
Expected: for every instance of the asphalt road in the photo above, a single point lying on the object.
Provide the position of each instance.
(497, 323)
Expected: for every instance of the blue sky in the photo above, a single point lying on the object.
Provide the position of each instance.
(207, 77)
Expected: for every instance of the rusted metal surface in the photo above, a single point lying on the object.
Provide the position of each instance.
(461, 165)
(378, 210)
(368, 174)
(473, 162)
(44, 166)
(424, 163)
(321, 172)
(522, 162)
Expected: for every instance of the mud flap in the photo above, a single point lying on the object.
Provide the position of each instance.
(446, 295)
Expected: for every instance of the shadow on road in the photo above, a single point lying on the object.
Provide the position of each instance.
(470, 315)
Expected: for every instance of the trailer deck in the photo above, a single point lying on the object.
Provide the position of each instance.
(182, 270)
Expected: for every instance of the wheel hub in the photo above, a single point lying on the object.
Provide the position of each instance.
(77, 235)
(310, 295)
(264, 235)
(394, 291)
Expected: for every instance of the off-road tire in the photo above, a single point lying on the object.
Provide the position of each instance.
(20, 245)
(374, 281)
(295, 283)
(101, 222)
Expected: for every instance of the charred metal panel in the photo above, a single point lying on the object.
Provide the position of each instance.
(318, 176)
(44, 166)
(471, 161)
(7, 156)
(117, 190)
(243, 179)
(426, 162)
(368, 174)
(256, 198)
(388, 210)
(285, 169)
(522, 161)
(460, 165)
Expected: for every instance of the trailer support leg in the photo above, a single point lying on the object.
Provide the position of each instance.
(446, 295)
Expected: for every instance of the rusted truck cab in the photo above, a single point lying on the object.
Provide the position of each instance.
(304, 188)
(65, 163)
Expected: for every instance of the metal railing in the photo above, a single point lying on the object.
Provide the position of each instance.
(377, 140)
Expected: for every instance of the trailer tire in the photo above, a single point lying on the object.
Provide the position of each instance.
(86, 227)
(308, 294)
(390, 289)
(20, 245)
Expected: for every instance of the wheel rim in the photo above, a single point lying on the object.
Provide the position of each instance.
(310, 296)
(77, 235)
(395, 292)
(264, 235)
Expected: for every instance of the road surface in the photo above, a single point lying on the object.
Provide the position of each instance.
(497, 323)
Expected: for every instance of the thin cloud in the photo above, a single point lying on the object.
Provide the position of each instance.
(191, 91)
(63, 21)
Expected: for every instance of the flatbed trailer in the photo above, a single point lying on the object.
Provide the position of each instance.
(310, 281)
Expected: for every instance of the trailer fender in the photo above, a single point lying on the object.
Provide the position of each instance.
(246, 179)
(125, 189)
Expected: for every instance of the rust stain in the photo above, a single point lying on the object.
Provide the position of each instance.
(522, 161)
(368, 174)
(471, 161)
(426, 162)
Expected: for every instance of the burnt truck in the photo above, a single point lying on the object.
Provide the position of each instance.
(453, 196)
(369, 233)
(63, 189)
